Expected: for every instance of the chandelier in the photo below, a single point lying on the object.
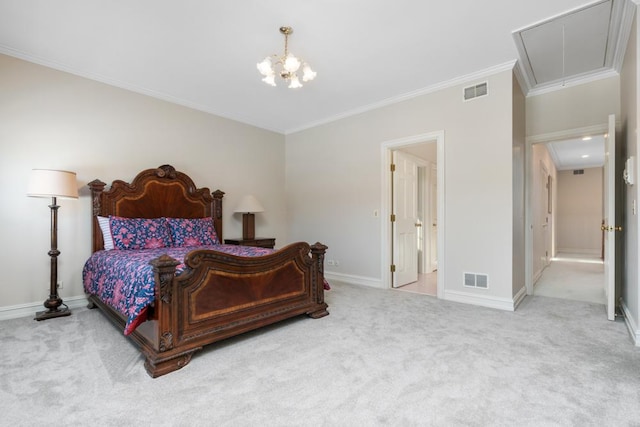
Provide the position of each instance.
(288, 65)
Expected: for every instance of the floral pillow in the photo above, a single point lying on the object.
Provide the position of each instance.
(192, 232)
(139, 233)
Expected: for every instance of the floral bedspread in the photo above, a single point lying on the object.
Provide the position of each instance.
(124, 279)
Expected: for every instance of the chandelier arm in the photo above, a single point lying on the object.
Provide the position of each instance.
(289, 65)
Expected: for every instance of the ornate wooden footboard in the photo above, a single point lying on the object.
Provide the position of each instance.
(218, 295)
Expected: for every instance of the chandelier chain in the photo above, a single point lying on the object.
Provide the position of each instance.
(288, 65)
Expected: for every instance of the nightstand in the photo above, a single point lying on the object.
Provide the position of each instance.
(261, 242)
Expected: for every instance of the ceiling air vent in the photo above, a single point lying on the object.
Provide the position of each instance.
(475, 91)
(578, 172)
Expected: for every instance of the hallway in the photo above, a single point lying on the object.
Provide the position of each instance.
(578, 277)
(427, 284)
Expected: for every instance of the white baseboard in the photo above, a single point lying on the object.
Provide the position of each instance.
(595, 251)
(29, 310)
(631, 325)
(519, 297)
(354, 280)
(463, 297)
(483, 300)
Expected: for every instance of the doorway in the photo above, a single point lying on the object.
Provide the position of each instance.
(414, 218)
(565, 210)
(427, 151)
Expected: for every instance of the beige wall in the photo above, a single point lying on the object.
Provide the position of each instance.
(542, 221)
(580, 211)
(51, 119)
(334, 183)
(574, 107)
(519, 129)
(629, 83)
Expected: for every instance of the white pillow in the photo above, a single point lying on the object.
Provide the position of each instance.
(106, 232)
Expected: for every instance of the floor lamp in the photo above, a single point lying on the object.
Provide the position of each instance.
(53, 183)
(248, 205)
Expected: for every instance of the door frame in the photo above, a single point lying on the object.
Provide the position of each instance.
(529, 202)
(386, 256)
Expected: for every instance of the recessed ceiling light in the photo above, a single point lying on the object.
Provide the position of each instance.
(586, 138)
(584, 156)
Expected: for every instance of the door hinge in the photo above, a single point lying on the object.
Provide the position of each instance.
(393, 268)
(393, 167)
(393, 217)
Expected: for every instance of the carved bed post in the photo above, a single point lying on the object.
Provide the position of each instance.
(217, 213)
(317, 254)
(165, 359)
(164, 269)
(97, 187)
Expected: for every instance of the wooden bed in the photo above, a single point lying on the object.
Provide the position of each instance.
(220, 295)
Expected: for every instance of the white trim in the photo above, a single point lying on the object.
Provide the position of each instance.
(620, 28)
(353, 280)
(27, 310)
(505, 304)
(529, 278)
(165, 97)
(519, 297)
(568, 134)
(627, 13)
(576, 80)
(482, 74)
(631, 324)
(131, 87)
(584, 251)
(385, 154)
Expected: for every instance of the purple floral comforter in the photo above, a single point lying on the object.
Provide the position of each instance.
(124, 279)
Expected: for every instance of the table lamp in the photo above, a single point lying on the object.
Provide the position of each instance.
(248, 206)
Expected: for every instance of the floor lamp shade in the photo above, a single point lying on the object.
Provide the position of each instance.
(53, 183)
(248, 206)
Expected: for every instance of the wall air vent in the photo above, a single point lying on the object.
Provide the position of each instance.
(475, 91)
(578, 172)
(475, 280)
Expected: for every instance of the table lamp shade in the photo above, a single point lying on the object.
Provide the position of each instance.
(52, 183)
(249, 204)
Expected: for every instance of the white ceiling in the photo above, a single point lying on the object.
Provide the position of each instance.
(577, 153)
(203, 53)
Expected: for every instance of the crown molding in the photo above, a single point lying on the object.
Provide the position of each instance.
(130, 87)
(409, 95)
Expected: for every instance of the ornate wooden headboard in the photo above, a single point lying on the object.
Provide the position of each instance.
(154, 193)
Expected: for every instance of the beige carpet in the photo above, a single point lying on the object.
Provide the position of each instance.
(576, 277)
(380, 358)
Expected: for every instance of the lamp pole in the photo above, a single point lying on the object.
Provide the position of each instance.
(54, 301)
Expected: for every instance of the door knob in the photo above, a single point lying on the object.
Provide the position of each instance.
(418, 225)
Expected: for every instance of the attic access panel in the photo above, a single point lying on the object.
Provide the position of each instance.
(574, 44)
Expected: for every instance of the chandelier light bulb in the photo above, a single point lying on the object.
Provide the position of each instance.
(285, 65)
(291, 63)
(270, 79)
(265, 67)
(294, 82)
(307, 73)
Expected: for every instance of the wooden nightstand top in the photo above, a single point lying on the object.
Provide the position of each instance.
(261, 242)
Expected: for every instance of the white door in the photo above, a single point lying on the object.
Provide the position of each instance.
(546, 208)
(609, 226)
(433, 216)
(405, 210)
